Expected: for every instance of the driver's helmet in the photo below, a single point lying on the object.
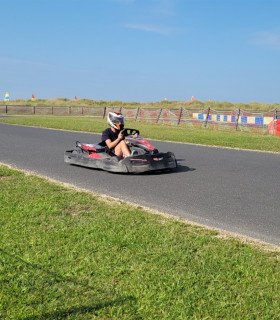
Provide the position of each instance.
(116, 120)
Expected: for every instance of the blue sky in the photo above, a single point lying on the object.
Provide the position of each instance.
(141, 50)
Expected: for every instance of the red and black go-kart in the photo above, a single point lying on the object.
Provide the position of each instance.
(144, 156)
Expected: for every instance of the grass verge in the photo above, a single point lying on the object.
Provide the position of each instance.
(66, 254)
(243, 140)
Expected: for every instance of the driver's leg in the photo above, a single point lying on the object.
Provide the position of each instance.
(122, 149)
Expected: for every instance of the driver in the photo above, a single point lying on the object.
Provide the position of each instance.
(113, 137)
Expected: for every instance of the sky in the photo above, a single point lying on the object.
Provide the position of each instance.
(141, 50)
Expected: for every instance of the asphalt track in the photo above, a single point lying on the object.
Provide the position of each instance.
(234, 190)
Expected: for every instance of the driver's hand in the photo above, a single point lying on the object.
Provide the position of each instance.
(121, 136)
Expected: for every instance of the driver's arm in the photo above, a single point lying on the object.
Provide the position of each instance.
(111, 144)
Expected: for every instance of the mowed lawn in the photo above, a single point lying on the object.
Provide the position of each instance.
(67, 254)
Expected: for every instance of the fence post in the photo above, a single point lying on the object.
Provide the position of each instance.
(180, 116)
(34, 110)
(137, 114)
(237, 119)
(120, 110)
(69, 110)
(6, 109)
(159, 114)
(275, 119)
(207, 116)
(82, 110)
(104, 112)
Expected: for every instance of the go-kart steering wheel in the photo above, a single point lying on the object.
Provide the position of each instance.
(127, 132)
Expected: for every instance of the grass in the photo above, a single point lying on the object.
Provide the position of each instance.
(243, 140)
(196, 104)
(66, 254)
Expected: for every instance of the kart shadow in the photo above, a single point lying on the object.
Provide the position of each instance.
(179, 169)
(183, 168)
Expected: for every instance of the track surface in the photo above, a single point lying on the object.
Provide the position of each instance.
(234, 190)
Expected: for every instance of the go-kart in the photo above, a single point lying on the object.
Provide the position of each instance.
(144, 156)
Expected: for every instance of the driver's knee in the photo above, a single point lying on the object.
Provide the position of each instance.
(118, 150)
(124, 148)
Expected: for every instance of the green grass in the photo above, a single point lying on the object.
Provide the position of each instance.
(66, 254)
(244, 140)
(196, 104)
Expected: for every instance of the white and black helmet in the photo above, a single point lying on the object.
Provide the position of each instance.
(116, 120)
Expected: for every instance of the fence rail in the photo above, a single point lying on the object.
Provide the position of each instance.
(262, 122)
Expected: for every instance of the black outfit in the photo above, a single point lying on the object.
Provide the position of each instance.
(109, 134)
